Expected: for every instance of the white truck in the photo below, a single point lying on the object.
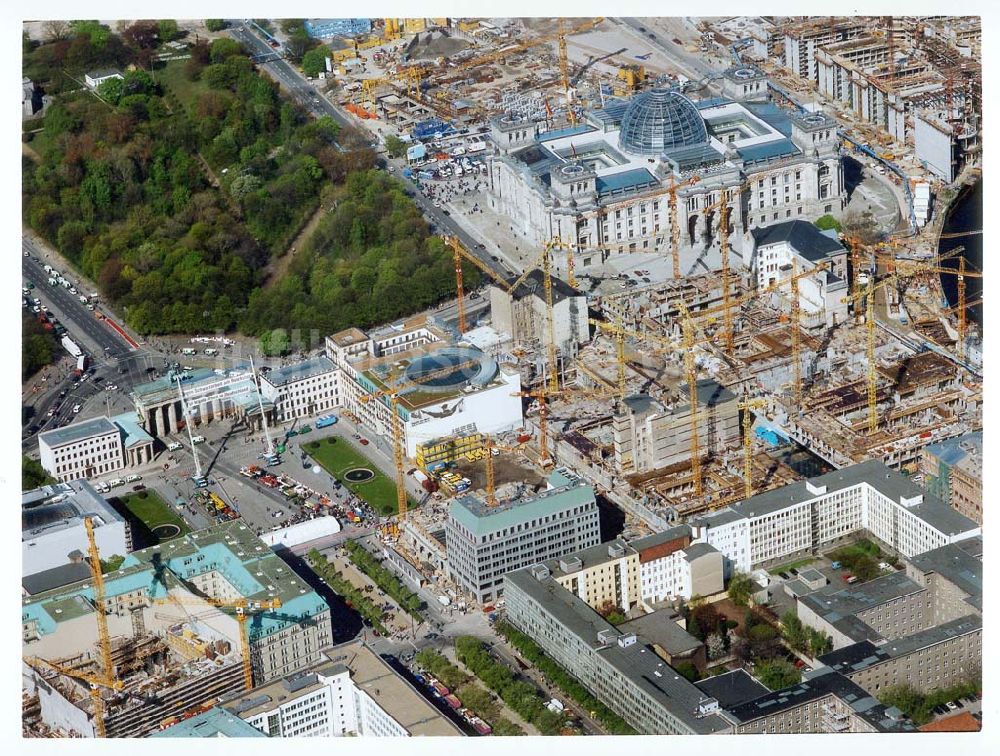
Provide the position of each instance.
(71, 346)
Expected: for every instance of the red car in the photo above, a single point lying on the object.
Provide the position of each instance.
(364, 442)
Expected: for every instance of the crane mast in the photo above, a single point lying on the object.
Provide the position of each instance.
(692, 379)
(198, 475)
(872, 375)
(796, 340)
(269, 448)
(104, 637)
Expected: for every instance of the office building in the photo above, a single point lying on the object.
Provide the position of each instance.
(214, 723)
(671, 566)
(622, 672)
(486, 542)
(807, 515)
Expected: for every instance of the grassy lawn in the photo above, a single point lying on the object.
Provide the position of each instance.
(339, 456)
(171, 77)
(151, 511)
(792, 565)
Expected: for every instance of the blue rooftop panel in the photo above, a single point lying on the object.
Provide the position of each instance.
(772, 115)
(548, 136)
(768, 151)
(617, 182)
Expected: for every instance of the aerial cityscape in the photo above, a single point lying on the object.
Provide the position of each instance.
(480, 377)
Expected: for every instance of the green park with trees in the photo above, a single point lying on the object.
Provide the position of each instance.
(177, 187)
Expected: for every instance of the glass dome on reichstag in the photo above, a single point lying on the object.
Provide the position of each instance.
(660, 120)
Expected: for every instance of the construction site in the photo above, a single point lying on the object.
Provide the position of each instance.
(678, 312)
(165, 636)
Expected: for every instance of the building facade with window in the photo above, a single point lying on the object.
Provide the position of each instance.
(303, 389)
(352, 692)
(806, 515)
(94, 447)
(601, 186)
(486, 542)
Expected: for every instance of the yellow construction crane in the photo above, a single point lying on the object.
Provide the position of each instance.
(368, 89)
(539, 395)
(103, 637)
(418, 74)
(675, 229)
(398, 451)
(872, 375)
(909, 268)
(547, 281)
(244, 610)
(961, 274)
(726, 196)
(490, 445)
(619, 333)
(796, 324)
(459, 252)
(94, 681)
(692, 379)
(564, 73)
(746, 406)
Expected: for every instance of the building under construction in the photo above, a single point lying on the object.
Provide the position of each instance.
(186, 621)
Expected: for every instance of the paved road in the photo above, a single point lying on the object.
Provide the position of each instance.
(287, 75)
(74, 315)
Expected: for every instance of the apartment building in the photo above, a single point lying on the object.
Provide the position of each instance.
(825, 701)
(94, 447)
(486, 542)
(605, 575)
(953, 471)
(352, 692)
(671, 566)
(620, 671)
(938, 657)
(303, 389)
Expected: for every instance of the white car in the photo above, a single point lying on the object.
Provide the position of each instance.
(132, 478)
(174, 446)
(198, 440)
(76, 409)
